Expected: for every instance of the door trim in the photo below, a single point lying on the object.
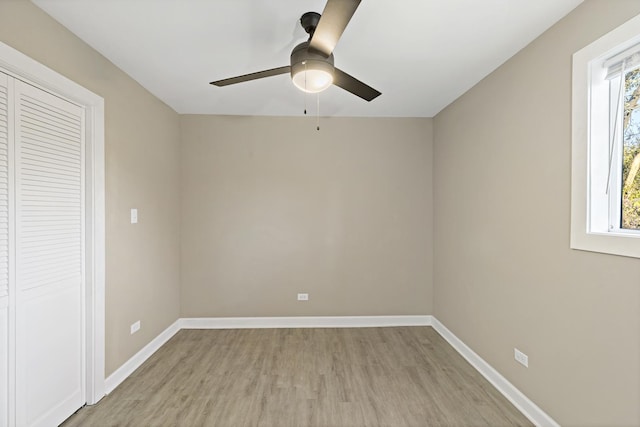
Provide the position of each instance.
(26, 69)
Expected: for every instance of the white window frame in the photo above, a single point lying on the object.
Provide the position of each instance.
(591, 207)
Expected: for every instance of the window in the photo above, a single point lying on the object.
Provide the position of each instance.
(623, 180)
(629, 193)
(605, 184)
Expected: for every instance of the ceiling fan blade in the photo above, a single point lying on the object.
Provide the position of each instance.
(353, 85)
(334, 19)
(252, 76)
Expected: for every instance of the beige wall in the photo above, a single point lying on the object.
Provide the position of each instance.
(271, 207)
(142, 170)
(504, 274)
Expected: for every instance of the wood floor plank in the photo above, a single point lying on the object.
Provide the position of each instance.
(404, 376)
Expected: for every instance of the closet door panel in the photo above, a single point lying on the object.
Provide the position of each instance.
(49, 224)
(4, 362)
(4, 250)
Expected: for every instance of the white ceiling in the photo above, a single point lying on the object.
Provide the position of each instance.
(421, 54)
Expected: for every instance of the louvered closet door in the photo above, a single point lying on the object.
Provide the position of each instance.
(49, 198)
(4, 250)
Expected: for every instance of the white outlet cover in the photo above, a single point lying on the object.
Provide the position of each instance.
(303, 297)
(134, 216)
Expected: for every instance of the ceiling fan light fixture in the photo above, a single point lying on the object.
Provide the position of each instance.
(312, 80)
(311, 72)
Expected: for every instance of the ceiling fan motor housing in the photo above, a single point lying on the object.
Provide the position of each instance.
(304, 59)
(309, 22)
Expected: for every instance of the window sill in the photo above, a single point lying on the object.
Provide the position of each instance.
(622, 244)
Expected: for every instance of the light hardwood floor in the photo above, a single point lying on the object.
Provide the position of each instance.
(405, 376)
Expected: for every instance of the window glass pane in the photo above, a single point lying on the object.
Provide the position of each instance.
(630, 217)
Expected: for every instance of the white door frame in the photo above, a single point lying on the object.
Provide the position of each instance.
(24, 68)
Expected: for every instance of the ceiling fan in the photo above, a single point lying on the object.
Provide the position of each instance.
(312, 68)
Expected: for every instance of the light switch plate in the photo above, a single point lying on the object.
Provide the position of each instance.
(134, 216)
(520, 357)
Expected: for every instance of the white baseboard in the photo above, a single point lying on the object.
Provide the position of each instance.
(123, 372)
(303, 322)
(515, 396)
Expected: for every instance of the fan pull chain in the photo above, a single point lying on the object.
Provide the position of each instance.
(305, 88)
(318, 112)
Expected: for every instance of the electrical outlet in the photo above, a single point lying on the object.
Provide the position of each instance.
(303, 297)
(521, 357)
(135, 327)
(134, 216)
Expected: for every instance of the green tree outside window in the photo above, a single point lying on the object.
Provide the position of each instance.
(630, 218)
